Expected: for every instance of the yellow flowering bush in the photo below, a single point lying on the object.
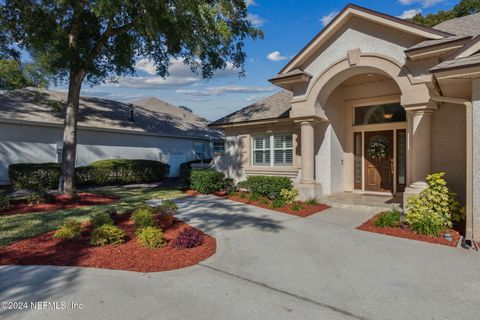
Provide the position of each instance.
(289, 196)
(435, 208)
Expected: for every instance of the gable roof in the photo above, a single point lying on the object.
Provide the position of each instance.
(47, 108)
(276, 106)
(462, 26)
(354, 10)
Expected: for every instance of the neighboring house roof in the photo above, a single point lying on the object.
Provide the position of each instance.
(463, 26)
(274, 107)
(47, 107)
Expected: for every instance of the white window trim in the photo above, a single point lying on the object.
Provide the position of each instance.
(271, 137)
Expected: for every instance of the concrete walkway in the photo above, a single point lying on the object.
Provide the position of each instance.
(269, 266)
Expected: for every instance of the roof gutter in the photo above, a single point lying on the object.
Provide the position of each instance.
(469, 170)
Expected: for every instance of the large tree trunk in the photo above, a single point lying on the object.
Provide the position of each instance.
(67, 177)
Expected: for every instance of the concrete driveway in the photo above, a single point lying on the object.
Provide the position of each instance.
(268, 266)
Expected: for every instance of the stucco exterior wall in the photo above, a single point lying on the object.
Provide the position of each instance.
(448, 145)
(329, 140)
(30, 143)
(236, 163)
(476, 158)
(368, 37)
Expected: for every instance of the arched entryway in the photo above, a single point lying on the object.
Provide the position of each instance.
(357, 103)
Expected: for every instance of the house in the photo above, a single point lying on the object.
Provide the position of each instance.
(31, 130)
(372, 104)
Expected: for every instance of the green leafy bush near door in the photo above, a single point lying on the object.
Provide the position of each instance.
(435, 208)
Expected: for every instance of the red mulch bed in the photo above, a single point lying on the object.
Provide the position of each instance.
(307, 210)
(61, 202)
(405, 232)
(131, 255)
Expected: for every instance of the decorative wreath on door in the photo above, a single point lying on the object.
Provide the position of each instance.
(378, 147)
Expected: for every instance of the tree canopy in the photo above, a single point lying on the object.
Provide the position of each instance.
(463, 8)
(97, 40)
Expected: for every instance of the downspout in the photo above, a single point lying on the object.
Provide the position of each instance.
(469, 169)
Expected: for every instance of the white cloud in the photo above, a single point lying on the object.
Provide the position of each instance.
(424, 3)
(276, 56)
(179, 75)
(256, 20)
(327, 18)
(407, 14)
(215, 91)
(255, 98)
(250, 3)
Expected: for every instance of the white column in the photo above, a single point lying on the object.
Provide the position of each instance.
(308, 152)
(420, 151)
(421, 144)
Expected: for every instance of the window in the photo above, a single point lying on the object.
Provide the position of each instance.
(199, 149)
(219, 147)
(283, 150)
(383, 113)
(272, 150)
(261, 151)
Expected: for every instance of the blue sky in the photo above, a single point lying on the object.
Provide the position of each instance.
(288, 25)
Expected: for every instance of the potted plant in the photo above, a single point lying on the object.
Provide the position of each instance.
(165, 213)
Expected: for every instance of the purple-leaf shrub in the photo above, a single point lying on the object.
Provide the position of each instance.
(189, 238)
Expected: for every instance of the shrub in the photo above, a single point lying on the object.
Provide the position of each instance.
(101, 218)
(254, 197)
(278, 203)
(428, 225)
(289, 196)
(144, 217)
(107, 234)
(243, 185)
(296, 207)
(169, 204)
(206, 181)
(39, 197)
(311, 201)
(186, 168)
(264, 201)
(390, 219)
(4, 201)
(121, 171)
(267, 186)
(189, 238)
(242, 195)
(34, 176)
(151, 237)
(71, 229)
(435, 208)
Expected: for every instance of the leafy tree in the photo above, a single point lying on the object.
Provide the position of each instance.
(11, 75)
(15, 75)
(463, 8)
(93, 41)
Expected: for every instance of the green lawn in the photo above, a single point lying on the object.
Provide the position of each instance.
(21, 226)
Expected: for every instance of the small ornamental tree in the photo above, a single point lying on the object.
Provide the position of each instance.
(93, 41)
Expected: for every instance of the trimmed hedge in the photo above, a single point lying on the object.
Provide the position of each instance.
(207, 181)
(110, 172)
(35, 176)
(186, 168)
(268, 186)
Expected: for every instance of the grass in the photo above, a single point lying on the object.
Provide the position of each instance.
(27, 225)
